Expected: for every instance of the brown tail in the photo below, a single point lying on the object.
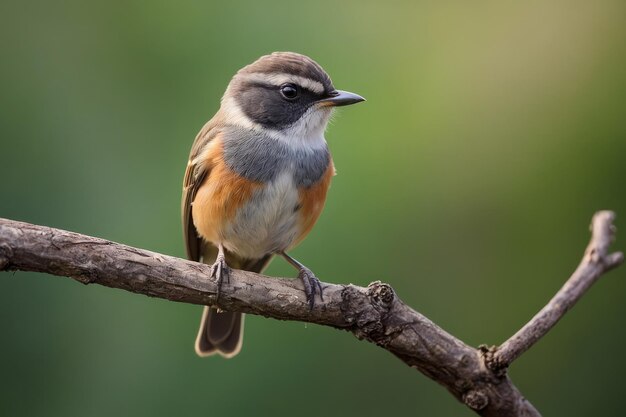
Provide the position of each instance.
(222, 332)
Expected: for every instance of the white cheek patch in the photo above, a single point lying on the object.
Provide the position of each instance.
(233, 114)
(280, 79)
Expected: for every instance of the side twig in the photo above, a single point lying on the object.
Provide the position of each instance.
(596, 261)
(475, 377)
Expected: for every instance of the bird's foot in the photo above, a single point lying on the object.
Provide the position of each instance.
(312, 285)
(220, 271)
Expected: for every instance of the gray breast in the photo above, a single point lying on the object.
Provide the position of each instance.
(258, 157)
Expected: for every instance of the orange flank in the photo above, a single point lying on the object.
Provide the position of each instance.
(220, 196)
(312, 201)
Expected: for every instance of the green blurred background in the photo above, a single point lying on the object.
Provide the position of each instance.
(491, 134)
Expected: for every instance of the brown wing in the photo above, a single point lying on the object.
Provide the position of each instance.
(196, 172)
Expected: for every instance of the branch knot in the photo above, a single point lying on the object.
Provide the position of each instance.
(492, 360)
(476, 399)
(381, 294)
(366, 309)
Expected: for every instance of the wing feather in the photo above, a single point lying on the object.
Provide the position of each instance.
(197, 170)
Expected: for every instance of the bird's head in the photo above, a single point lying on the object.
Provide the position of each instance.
(285, 95)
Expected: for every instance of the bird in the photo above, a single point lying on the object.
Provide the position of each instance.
(257, 179)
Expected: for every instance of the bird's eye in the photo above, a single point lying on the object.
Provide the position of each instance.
(289, 91)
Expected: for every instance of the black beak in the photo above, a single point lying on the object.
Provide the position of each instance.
(341, 98)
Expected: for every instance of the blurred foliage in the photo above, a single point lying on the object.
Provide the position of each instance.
(491, 134)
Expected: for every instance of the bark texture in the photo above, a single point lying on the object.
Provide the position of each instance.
(475, 376)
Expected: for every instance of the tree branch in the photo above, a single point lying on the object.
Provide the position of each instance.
(476, 377)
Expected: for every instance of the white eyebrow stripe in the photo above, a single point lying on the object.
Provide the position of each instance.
(283, 78)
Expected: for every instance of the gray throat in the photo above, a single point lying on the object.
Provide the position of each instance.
(259, 157)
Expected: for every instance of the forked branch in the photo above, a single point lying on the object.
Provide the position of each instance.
(476, 377)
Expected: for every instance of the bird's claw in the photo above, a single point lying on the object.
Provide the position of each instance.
(312, 286)
(221, 272)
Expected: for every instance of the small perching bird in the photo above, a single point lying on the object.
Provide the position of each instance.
(257, 178)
